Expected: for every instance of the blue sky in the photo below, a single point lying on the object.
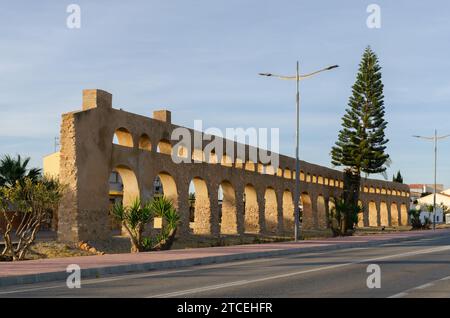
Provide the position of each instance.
(200, 59)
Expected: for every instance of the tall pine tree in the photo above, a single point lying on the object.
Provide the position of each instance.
(361, 143)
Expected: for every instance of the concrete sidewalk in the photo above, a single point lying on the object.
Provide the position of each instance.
(34, 271)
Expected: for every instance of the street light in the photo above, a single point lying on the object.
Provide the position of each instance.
(297, 78)
(435, 139)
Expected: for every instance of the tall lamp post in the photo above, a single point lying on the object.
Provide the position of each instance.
(297, 78)
(435, 139)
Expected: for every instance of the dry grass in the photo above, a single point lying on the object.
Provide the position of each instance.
(52, 249)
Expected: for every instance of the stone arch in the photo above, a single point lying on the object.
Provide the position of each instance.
(308, 177)
(164, 147)
(130, 191)
(226, 161)
(270, 210)
(182, 151)
(239, 164)
(251, 208)
(287, 173)
(302, 175)
(394, 214)
(288, 212)
(164, 184)
(307, 212)
(279, 172)
(198, 155)
(321, 212)
(371, 190)
(228, 210)
(145, 143)
(360, 215)
(404, 214)
(123, 137)
(320, 180)
(199, 207)
(270, 170)
(130, 184)
(373, 214)
(384, 214)
(249, 165)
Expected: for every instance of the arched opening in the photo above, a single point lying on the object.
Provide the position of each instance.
(182, 151)
(394, 215)
(164, 185)
(226, 161)
(331, 183)
(307, 213)
(251, 209)
(321, 212)
(211, 157)
(199, 207)
(144, 143)
(279, 172)
(198, 155)
(239, 164)
(320, 180)
(260, 168)
(288, 212)
(227, 208)
(360, 215)
(123, 187)
(271, 210)
(372, 190)
(404, 214)
(384, 214)
(123, 137)
(287, 173)
(250, 166)
(308, 177)
(314, 179)
(270, 170)
(165, 147)
(302, 176)
(373, 214)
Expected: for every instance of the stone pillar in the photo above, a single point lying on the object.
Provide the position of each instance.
(84, 208)
(240, 210)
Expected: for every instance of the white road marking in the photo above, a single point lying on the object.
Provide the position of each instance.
(133, 276)
(258, 280)
(195, 268)
(424, 286)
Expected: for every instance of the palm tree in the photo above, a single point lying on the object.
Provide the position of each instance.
(15, 169)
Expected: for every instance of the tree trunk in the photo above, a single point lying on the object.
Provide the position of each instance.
(352, 183)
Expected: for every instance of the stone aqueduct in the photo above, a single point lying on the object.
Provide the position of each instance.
(254, 199)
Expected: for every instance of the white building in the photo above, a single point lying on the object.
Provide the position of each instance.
(442, 203)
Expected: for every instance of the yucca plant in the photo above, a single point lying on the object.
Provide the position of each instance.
(138, 214)
(163, 208)
(134, 218)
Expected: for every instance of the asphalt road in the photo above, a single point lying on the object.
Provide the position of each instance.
(418, 268)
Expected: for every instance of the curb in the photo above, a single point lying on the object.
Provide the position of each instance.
(97, 272)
